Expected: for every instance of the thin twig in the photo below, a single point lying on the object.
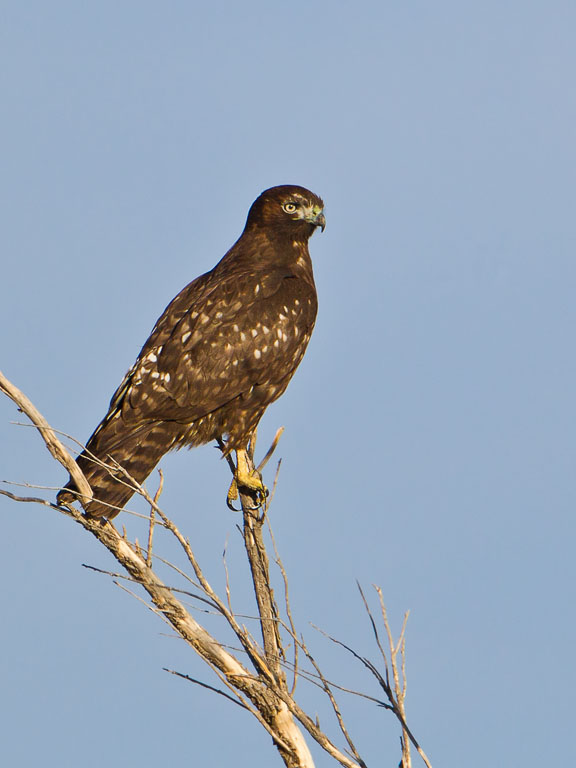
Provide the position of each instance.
(205, 685)
(150, 607)
(328, 691)
(375, 631)
(228, 594)
(287, 607)
(270, 451)
(33, 499)
(152, 519)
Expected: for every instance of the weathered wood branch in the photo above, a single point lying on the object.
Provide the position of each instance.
(259, 685)
(265, 686)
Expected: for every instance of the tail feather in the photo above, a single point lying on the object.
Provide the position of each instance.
(137, 451)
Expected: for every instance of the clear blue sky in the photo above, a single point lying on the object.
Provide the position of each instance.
(430, 429)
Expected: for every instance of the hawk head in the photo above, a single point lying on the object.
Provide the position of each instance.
(288, 211)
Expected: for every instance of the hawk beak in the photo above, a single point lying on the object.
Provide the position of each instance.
(320, 221)
(316, 217)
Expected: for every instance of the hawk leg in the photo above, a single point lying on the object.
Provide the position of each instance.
(246, 477)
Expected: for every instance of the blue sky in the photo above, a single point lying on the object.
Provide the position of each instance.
(429, 443)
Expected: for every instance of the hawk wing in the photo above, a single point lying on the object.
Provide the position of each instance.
(212, 346)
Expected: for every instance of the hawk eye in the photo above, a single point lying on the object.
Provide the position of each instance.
(289, 207)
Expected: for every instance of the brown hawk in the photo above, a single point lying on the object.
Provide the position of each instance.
(222, 351)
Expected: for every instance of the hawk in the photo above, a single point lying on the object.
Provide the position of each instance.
(222, 351)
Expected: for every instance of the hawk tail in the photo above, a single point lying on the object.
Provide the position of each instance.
(136, 451)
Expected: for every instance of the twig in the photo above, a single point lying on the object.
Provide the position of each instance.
(393, 695)
(34, 499)
(152, 519)
(287, 607)
(270, 451)
(228, 594)
(328, 691)
(205, 685)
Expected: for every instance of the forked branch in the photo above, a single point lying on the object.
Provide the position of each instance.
(258, 682)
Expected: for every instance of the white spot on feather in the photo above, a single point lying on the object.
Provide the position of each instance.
(257, 354)
(254, 332)
(186, 336)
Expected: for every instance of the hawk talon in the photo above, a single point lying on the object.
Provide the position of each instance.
(231, 506)
(257, 489)
(250, 481)
(232, 495)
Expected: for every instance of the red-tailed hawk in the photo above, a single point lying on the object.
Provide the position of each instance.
(222, 351)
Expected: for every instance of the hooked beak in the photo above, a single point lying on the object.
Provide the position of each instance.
(321, 221)
(316, 217)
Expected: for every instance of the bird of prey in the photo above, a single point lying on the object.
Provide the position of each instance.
(222, 351)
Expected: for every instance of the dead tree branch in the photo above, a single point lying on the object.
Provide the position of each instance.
(257, 683)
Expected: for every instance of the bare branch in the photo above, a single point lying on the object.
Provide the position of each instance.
(261, 687)
(33, 499)
(47, 433)
(393, 694)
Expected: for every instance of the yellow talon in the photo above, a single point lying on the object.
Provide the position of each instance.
(232, 493)
(252, 481)
(245, 477)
